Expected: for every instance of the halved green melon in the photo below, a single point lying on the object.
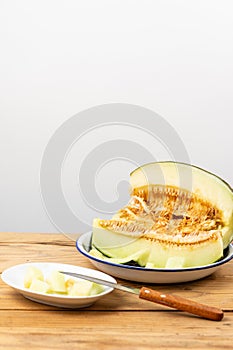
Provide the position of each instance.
(178, 216)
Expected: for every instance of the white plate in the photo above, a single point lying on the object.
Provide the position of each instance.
(14, 277)
(147, 275)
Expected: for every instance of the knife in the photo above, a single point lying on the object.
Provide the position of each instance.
(170, 300)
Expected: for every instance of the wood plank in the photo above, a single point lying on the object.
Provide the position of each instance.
(12, 254)
(117, 300)
(214, 290)
(57, 330)
(119, 320)
(44, 238)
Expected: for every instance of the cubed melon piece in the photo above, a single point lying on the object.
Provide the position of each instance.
(81, 288)
(32, 272)
(39, 286)
(56, 281)
(96, 289)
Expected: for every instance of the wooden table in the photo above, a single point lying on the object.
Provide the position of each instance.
(118, 321)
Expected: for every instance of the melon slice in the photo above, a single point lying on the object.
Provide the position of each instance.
(178, 216)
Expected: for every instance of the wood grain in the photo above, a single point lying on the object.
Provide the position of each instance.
(119, 330)
(118, 321)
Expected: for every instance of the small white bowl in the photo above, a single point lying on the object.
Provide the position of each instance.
(14, 277)
(148, 275)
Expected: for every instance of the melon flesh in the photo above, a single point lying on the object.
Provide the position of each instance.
(178, 216)
(153, 253)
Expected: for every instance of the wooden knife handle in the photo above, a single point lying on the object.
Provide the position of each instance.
(182, 304)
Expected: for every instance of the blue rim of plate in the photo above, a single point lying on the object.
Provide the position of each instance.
(228, 257)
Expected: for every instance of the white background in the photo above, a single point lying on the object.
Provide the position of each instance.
(61, 57)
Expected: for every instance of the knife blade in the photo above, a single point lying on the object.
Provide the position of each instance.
(170, 300)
